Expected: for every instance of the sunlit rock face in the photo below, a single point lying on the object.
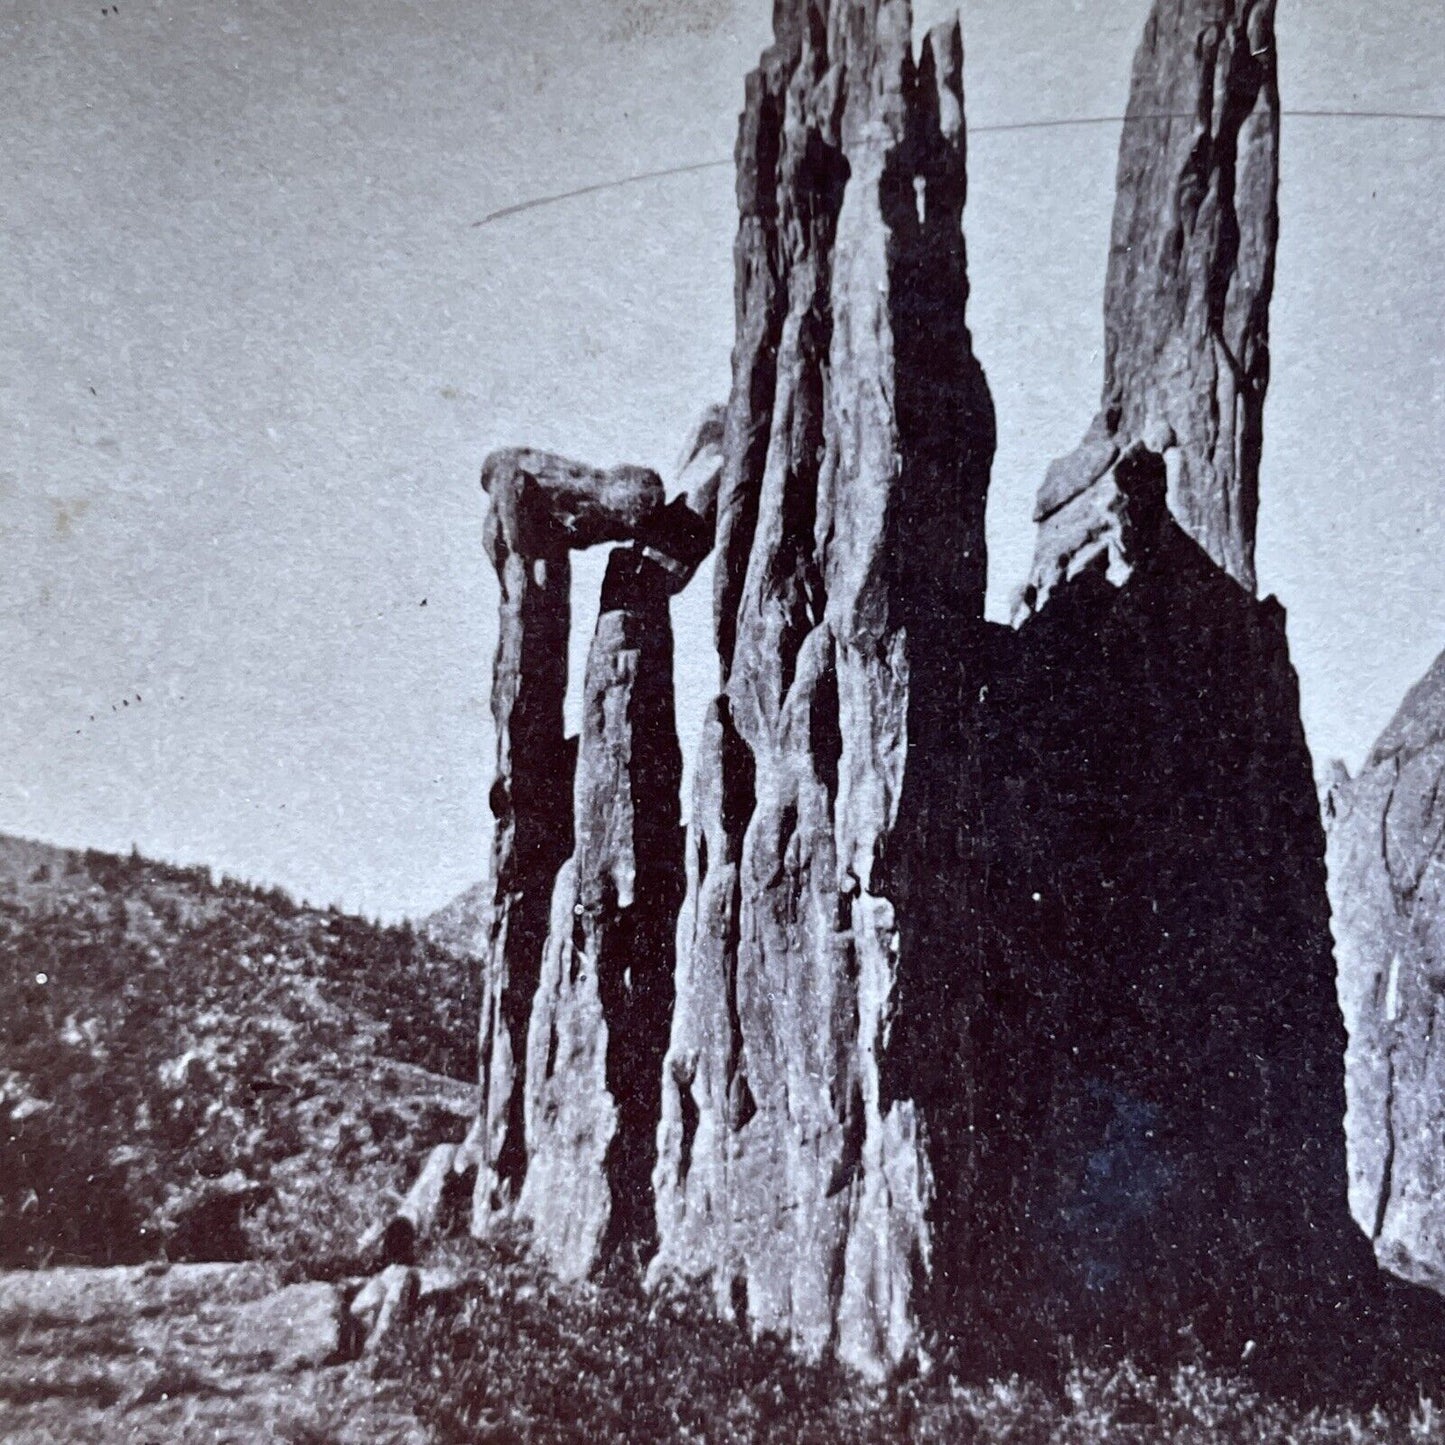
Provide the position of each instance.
(1387, 884)
(1186, 300)
(849, 580)
(542, 506)
(603, 1004)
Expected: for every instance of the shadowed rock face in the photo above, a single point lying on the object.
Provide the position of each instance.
(1191, 271)
(856, 450)
(1154, 1156)
(1151, 1138)
(1152, 1135)
(600, 1016)
(1158, 1139)
(542, 506)
(1387, 885)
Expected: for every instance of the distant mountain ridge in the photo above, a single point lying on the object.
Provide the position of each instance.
(462, 924)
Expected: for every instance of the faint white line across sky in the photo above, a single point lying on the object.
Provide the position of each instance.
(538, 201)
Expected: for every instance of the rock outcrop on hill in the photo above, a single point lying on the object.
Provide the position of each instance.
(464, 924)
(850, 552)
(1387, 885)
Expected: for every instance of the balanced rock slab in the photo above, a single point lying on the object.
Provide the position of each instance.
(542, 507)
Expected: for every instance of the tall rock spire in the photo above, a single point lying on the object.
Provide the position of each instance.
(1186, 301)
(857, 444)
(600, 1016)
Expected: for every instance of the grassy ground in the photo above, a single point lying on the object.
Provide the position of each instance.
(514, 1356)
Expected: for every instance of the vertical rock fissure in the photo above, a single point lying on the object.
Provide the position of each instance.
(1387, 1168)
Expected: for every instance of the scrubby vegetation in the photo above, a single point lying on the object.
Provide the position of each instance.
(205, 1069)
(514, 1356)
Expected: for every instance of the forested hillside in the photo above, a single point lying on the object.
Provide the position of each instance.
(192, 1068)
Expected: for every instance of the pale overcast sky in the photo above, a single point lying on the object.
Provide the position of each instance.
(252, 350)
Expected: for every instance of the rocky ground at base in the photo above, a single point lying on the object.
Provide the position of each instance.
(187, 1352)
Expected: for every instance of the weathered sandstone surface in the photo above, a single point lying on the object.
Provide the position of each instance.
(1387, 884)
(849, 565)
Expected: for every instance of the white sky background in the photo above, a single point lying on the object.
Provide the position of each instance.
(252, 351)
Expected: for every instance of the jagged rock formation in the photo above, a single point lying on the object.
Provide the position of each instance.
(1004, 993)
(542, 506)
(1387, 885)
(601, 1013)
(1152, 1135)
(1191, 270)
(850, 563)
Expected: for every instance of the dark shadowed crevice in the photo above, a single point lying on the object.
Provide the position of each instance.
(825, 735)
(636, 958)
(937, 558)
(689, 1118)
(739, 799)
(739, 783)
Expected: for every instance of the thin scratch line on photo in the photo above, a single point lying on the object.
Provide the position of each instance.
(1018, 125)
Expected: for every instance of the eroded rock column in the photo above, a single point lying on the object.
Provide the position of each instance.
(542, 506)
(857, 444)
(600, 1019)
(1387, 884)
(1186, 302)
